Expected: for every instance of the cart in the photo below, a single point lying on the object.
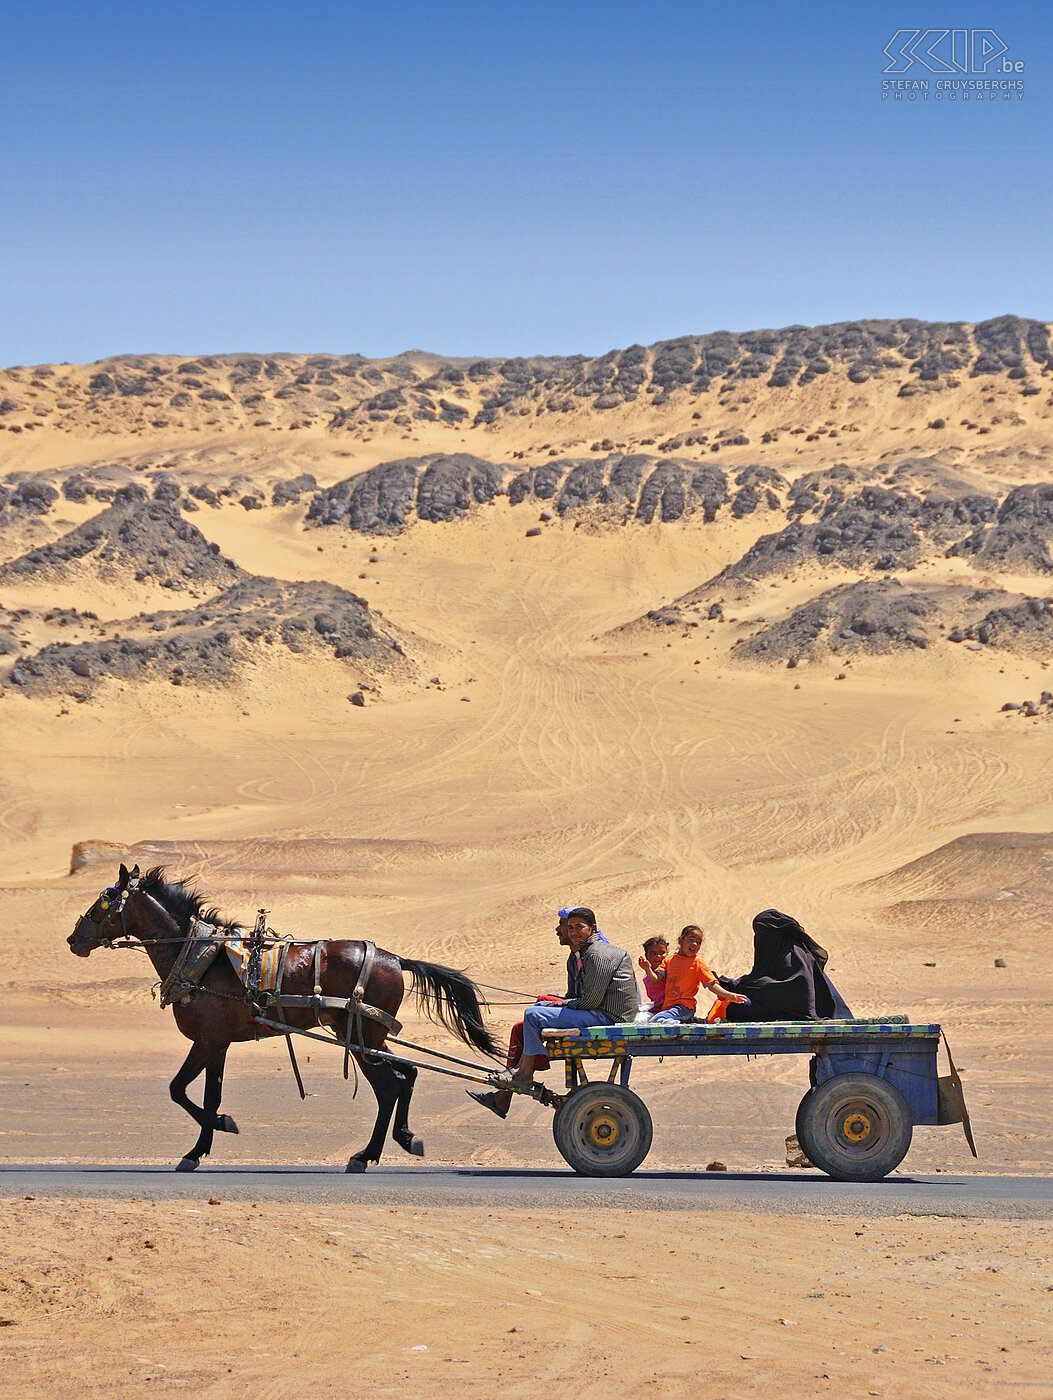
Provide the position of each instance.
(871, 1081)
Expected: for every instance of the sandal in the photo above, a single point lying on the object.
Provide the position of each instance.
(488, 1101)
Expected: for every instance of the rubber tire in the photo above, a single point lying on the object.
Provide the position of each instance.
(825, 1110)
(798, 1123)
(582, 1152)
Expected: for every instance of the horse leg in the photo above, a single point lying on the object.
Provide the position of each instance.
(406, 1074)
(202, 1057)
(385, 1086)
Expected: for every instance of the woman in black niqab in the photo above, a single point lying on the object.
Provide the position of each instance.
(788, 981)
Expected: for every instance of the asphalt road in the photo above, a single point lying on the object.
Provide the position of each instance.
(772, 1193)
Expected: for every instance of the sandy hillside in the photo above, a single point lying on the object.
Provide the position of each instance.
(418, 650)
(605, 663)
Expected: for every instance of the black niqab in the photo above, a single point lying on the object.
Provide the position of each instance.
(788, 981)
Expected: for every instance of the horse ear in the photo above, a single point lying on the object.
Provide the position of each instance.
(122, 877)
(135, 872)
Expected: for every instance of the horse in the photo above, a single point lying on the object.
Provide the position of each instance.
(156, 914)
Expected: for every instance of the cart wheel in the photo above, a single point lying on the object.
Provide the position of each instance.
(855, 1127)
(603, 1130)
(802, 1109)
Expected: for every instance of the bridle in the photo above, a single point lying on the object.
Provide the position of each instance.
(111, 902)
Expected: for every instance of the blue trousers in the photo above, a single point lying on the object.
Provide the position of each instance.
(673, 1013)
(539, 1018)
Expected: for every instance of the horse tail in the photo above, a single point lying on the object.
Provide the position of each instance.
(448, 995)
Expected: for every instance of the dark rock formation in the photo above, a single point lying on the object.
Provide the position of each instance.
(206, 645)
(619, 487)
(883, 616)
(1018, 624)
(1019, 540)
(385, 499)
(758, 490)
(147, 539)
(28, 496)
(857, 523)
(351, 394)
(287, 493)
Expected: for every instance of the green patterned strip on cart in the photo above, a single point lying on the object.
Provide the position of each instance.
(700, 1034)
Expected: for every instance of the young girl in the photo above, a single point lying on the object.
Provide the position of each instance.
(655, 952)
(683, 974)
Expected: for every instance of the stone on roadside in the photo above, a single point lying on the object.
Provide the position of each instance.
(795, 1154)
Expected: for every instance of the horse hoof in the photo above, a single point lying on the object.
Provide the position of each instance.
(226, 1124)
(188, 1164)
(355, 1166)
(415, 1146)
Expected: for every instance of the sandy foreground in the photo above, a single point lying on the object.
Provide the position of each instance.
(131, 1299)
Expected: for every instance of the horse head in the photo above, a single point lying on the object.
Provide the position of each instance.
(104, 921)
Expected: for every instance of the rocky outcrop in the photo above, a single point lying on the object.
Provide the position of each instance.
(208, 644)
(881, 616)
(759, 488)
(25, 496)
(135, 537)
(863, 518)
(639, 486)
(387, 498)
(615, 488)
(1019, 538)
(351, 394)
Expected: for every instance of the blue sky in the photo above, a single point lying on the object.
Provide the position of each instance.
(500, 178)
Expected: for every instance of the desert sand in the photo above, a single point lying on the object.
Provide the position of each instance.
(570, 749)
(226, 1300)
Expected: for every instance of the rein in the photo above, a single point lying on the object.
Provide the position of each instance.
(143, 943)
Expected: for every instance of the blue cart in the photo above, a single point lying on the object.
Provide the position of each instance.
(871, 1081)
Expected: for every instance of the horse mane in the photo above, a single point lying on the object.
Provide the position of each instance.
(183, 901)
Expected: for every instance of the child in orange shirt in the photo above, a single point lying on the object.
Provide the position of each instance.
(683, 974)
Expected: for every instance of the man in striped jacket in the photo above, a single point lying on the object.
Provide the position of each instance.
(601, 991)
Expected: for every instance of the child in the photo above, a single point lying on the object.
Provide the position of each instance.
(683, 974)
(655, 952)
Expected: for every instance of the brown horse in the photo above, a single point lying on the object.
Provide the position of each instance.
(157, 914)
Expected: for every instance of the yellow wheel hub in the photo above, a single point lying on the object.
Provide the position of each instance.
(604, 1130)
(857, 1127)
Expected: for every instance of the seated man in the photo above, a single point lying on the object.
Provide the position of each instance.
(515, 1040)
(601, 991)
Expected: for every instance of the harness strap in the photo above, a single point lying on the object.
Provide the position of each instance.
(275, 999)
(174, 977)
(317, 999)
(197, 952)
(362, 1008)
(369, 952)
(354, 1006)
